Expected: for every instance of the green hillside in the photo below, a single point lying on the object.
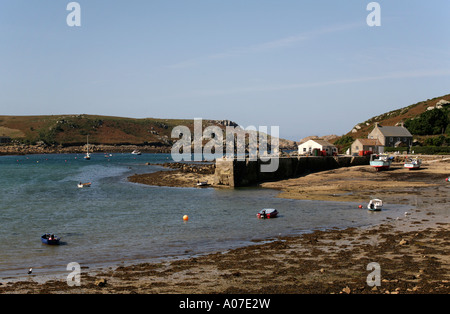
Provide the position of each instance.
(428, 121)
(72, 130)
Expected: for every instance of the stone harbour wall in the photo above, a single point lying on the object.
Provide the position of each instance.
(238, 173)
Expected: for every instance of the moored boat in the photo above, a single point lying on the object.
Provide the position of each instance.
(136, 152)
(84, 185)
(50, 239)
(380, 162)
(375, 205)
(267, 213)
(412, 163)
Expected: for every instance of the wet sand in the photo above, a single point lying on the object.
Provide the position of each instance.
(413, 250)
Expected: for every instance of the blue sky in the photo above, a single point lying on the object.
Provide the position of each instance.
(309, 67)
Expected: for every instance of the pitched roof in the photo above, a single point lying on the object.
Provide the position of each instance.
(369, 142)
(398, 131)
(320, 142)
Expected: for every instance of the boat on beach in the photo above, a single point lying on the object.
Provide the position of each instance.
(204, 183)
(50, 239)
(380, 162)
(375, 205)
(267, 213)
(84, 185)
(412, 163)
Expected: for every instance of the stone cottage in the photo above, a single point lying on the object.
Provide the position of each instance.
(366, 145)
(391, 136)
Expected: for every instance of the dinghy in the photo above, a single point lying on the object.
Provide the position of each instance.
(50, 239)
(267, 213)
(375, 205)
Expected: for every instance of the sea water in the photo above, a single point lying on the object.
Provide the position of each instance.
(116, 221)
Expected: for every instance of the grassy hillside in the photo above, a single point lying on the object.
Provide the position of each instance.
(72, 130)
(391, 118)
(416, 117)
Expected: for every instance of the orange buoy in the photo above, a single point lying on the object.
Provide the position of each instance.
(360, 206)
(185, 217)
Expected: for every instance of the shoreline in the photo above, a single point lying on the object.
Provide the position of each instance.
(13, 150)
(413, 250)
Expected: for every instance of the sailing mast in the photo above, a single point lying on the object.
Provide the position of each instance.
(88, 156)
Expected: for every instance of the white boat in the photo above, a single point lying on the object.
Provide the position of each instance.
(412, 163)
(84, 185)
(380, 162)
(88, 155)
(136, 152)
(204, 183)
(375, 205)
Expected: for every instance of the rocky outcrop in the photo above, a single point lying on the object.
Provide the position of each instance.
(190, 167)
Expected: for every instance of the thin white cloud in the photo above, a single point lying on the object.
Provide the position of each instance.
(281, 87)
(266, 46)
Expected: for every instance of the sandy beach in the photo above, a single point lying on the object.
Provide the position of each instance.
(412, 251)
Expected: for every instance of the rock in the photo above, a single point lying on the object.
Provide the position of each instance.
(101, 282)
(403, 242)
(347, 290)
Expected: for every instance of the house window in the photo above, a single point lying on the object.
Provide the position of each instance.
(304, 149)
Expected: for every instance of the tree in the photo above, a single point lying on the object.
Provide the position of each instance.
(431, 122)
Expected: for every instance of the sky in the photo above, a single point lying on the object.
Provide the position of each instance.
(309, 67)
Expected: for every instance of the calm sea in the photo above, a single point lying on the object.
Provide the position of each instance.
(116, 222)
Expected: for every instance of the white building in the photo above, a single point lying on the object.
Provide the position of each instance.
(317, 148)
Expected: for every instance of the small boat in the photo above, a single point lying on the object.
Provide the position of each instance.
(380, 162)
(267, 213)
(84, 185)
(204, 183)
(136, 152)
(50, 239)
(412, 163)
(375, 205)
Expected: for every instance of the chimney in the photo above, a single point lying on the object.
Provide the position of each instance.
(402, 124)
